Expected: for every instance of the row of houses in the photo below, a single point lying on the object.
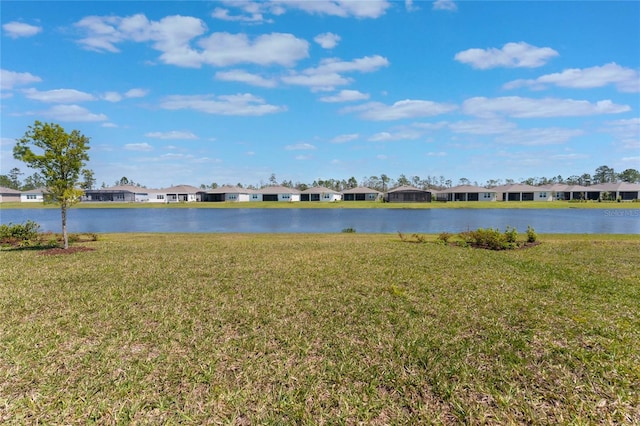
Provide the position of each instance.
(622, 191)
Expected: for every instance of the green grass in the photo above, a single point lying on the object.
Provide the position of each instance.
(343, 205)
(321, 329)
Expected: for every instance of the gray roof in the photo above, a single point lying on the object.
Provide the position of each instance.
(4, 190)
(465, 189)
(228, 189)
(361, 190)
(181, 189)
(518, 187)
(278, 190)
(407, 188)
(319, 190)
(616, 186)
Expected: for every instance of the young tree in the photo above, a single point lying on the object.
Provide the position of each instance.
(60, 157)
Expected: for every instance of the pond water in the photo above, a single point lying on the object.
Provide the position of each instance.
(292, 220)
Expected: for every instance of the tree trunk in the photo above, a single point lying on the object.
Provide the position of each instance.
(65, 237)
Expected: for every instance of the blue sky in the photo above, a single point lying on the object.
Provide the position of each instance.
(233, 91)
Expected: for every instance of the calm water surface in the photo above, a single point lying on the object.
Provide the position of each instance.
(254, 220)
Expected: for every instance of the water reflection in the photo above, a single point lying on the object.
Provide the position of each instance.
(581, 221)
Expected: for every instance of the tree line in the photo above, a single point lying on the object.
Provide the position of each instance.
(602, 174)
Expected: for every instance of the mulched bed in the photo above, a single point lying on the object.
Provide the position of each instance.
(70, 250)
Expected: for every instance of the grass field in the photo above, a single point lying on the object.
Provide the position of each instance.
(342, 205)
(321, 329)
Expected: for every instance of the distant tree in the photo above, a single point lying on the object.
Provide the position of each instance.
(464, 181)
(385, 180)
(272, 179)
(88, 181)
(585, 179)
(6, 182)
(403, 181)
(239, 185)
(214, 185)
(604, 174)
(352, 182)
(629, 175)
(124, 181)
(33, 182)
(14, 176)
(60, 157)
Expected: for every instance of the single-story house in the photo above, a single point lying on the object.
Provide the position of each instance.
(564, 192)
(320, 193)
(33, 196)
(118, 193)
(522, 192)
(279, 193)
(8, 195)
(226, 193)
(624, 191)
(408, 194)
(180, 193)
(466, 193)
(361, 193)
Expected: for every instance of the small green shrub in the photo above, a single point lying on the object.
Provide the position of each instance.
(532, 237)
(444, 237)
(21, 235)
(511, 235)
(345, 230)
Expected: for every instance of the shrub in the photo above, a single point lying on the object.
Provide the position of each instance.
(489, 238)
(21, 235)
(444, 237)
(532, 237)
(345, 230)
(511, 235)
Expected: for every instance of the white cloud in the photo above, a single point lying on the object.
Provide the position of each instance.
(300, 147)
(172, 135)
(117, 97)
(60, 96)
(633, 160)
(327, 40)
(72, 113)
(346, 96)
(396, 136)
(400, 110)
(240, 104)
(224, 49)
(437, 154)
(138, 147)
(20, 29)
(302, 157)
(449, 5)
(569, 156)
(482, 127)
(345, 138)
(542, 136)
(172, 36)
(340, 8)
(136, 93)
(254, 11)
(512, 55)
(109, 125)
(327, 75)
(112, 97)
(625, 79)
(223, 14)
(10, 79)
(245, 77)
(515, 106)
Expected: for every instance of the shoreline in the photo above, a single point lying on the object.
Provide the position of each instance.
(340, 205)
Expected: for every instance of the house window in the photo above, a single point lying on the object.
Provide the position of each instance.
(31, 197)
(543, 195)
(159, 197)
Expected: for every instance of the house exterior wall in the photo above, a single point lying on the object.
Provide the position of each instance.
(31, 197)
(543, 195)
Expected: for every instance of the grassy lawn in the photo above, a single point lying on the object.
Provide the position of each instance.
(321, 329)
(343, 205)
